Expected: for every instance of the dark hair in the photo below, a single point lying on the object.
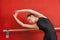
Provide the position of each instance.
(30, 15)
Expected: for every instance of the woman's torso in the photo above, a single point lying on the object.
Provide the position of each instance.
(45, 25)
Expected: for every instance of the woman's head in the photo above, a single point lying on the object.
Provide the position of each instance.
(31, 18)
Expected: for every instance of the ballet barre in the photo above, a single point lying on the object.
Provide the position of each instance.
(17, 30)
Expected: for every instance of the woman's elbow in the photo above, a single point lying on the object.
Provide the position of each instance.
(23, 25)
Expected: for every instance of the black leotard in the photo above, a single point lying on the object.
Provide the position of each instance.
(45, 25)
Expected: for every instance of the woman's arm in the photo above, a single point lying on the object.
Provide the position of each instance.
(32, 11)
(22, 24)
(18, 21)
(27, 10)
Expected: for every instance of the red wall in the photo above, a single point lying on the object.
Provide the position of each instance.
(50, 8)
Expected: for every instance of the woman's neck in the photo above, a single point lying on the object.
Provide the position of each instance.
(37, 19)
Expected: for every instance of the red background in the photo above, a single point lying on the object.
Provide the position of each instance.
(50, 8)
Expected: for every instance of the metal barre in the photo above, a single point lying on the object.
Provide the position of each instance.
(17, 30)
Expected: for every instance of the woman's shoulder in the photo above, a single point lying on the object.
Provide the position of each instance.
(42, 18)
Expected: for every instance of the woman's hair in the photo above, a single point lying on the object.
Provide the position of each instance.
(30, 14)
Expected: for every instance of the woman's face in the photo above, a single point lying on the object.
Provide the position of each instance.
(31, 19)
